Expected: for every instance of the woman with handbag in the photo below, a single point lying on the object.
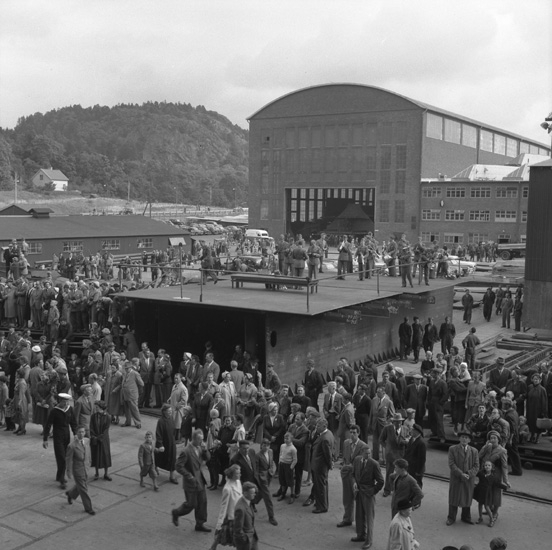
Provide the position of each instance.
(232, 492)
(537, 406)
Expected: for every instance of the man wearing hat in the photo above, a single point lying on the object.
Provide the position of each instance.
(272, 381)
(392, 440)
(363, 407)
(415, 454)
(401, 531)
(499, 377)
(62, 421)
(415, 397)
(464, 465)
(382, 411)
(130, 390)
(146, 360)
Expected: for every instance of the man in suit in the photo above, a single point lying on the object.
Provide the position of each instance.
(245, 535)
(431, 335)
(363, 408)
(245, 458)
(78, 460)
(498, 378)
(147, 366)
(436, 398)
(415, 454)
(333, 403)
(368, 482)
(392, 440)
(447, 332)
(404, 487)
(321, 464)
(84, 407)
(415, 398)
(313, 382)
(274, 428)
(405, 338)
(130, 388)
(346, 420)
(464, 465)
(211, 366)
(265, 468)
(382, 411)
(352, 448)
(189, 465)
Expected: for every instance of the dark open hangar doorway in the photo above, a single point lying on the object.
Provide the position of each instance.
(180, 327)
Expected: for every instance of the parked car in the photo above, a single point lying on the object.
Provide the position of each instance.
(458, 267)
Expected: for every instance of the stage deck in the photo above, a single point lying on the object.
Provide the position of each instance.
(332, 294)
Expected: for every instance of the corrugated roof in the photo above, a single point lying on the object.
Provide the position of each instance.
(415, 102)
(485, 172)
(78, 227)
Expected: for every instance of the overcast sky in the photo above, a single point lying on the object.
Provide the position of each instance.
(486, 59)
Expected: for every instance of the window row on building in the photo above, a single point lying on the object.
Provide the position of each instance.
(335, 135)
(501, 192)
(434, 214)
(35, 247)
(462, 238)
(454, 131)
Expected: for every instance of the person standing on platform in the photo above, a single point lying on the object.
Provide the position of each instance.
(467, 304)
(361, 256)
(405, 261)
(390, 253)
(417, 338)
(78, 460)
(322, 243)
(431, 335)
(405, 339)
(507, 308)
(343, 258)
(314, 254)
(368, 482)
(488, 302)
(464, 465)
(447, 333)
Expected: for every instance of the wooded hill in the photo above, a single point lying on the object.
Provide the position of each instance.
(167, 151)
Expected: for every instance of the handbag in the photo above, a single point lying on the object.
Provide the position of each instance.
(226, 534)
(544, 423)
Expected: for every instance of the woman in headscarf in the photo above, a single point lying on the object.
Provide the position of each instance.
(165, 458)
(228, 393)
(100, 446)
(178, 400)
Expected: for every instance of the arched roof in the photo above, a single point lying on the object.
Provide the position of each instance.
(415, 104)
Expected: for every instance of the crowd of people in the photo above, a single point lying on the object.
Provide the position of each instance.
(302, 434)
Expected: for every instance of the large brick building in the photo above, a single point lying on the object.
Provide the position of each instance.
(314, 151)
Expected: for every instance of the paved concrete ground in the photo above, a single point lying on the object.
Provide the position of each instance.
(34, 512)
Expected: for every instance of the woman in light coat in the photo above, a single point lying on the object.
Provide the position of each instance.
(231, 493)
(178, 400)
(228, 393)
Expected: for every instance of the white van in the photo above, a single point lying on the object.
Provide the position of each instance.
(257, 233)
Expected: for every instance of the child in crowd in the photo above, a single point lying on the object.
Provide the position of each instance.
(10, 413)
(146, 460)
(186, 426)
(524, 433)
(287, 463)
(485, 492)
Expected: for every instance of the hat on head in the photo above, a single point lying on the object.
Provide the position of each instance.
(468, 434)
(213, 413)
(398, 370)
(96, 284)
(493, 432)
(272, 406)
(106, 331)
(63, 396)
(187, 355)
(418, 428)
(268, 394)
(404, 504)
(36, 349)
(417, 376)
(492, 393)
(397, 417)
(501, 361)
(249, 376)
